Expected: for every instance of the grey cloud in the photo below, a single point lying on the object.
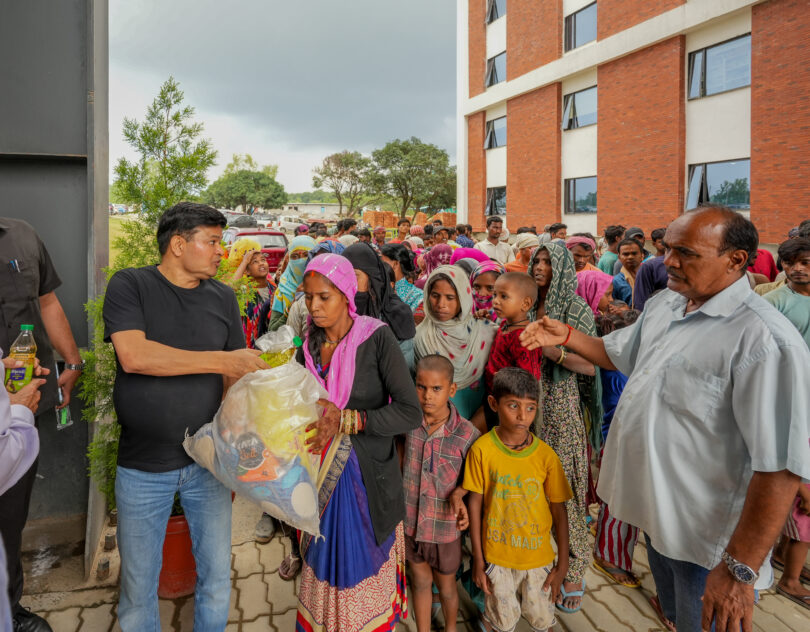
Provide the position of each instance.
(309, 72)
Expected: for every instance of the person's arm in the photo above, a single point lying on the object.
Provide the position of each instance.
(725, 600)
(572, 362)
(19, 439)
(240, 271)
(277, 319)
(59, 333)
(557, 575)
(456, 501)
(147, 357)
(479, 571)
(549, 332)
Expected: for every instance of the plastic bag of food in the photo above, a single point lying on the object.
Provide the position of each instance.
(278, 347)
(255, 445)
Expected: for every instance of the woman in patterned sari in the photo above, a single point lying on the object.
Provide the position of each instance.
(353, 579)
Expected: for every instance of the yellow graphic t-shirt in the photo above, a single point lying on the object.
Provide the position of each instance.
(516, 526)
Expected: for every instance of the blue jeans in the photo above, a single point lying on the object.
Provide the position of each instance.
(144, 501)
(680, 587)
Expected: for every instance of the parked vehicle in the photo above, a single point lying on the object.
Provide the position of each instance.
(273, 242)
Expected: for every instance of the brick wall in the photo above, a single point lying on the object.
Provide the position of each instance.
(641, 139)
(477, 53)
(533, 157)
(780, 117)
(616, 15)
(533, 35)
(476, 170)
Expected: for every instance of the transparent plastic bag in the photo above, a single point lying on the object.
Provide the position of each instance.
(278, 347)
(255, 445)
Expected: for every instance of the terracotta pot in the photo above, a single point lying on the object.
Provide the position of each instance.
(178, 576)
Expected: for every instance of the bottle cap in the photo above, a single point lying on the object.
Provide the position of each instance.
(26, 328)
(297, 341)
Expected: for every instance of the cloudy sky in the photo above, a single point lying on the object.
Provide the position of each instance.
(290, 81)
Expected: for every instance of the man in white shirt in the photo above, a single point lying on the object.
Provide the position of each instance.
(710, 437)
(492, 246)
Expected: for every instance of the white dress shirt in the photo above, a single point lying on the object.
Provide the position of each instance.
(501, 251)
(712, 396)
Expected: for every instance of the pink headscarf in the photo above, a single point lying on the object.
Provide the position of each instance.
(592, 285)
(468, 253)
(417, 230)
(439, 255)
(342, 367)
(584, 241)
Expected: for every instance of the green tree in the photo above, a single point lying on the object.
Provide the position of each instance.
(413, 174)
(245, 162)
(308, 197)
(248, 189)
(171, 166)
(349, 177)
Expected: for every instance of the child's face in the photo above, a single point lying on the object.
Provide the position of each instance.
(515, 414)
(604, 300)
(434, 388)
(509, 303)
(484, 284)
(444, 301)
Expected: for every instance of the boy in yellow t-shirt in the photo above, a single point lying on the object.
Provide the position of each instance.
(517, 490)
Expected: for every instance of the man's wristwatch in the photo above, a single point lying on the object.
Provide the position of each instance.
(75, 367)
(739, 571)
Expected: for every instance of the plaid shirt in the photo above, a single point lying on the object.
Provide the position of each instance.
(433, 468)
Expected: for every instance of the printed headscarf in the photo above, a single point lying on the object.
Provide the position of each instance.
(463, 340)
(485, 302)
(439, 255)
(562, 303)
(381, 301)
(292, 276)
(581, 241)
(592, 285)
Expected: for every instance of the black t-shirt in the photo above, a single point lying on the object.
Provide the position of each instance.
(155, 412)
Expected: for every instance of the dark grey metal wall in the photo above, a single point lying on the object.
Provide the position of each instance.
(53, 144)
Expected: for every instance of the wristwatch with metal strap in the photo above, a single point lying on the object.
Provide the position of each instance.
(739, 571)
(75, 367)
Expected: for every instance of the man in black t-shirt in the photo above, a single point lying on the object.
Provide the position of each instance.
(178, 341)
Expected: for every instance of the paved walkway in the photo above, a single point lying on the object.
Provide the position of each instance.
(262, 601)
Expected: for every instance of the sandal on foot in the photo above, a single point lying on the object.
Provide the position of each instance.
(804, 602)
(614, 572)
(804, 576)
(574, 593)
(289, 568)
(656, 605)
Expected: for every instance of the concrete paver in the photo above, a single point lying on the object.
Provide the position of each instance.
(261, 600)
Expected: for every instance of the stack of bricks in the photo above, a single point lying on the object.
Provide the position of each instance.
(447, 219)
(420, 218)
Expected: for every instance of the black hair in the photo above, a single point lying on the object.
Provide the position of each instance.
(435, 220)
(614, 233)
(321, 231)
(339, 225)
(428, 229)
(389, 272)
(404, 220)
(398, 252)
(555, 227)
(607, 323)
(494, 218)
(792, 249)
(516, 382)
(804, 229)
(437, 363)
(629, 241)
(523, 229)
(184, 218)
(364, 232)
(451, 231)
(522, 282)
(658, 233)
(461, 229)
(469, 229)
(738, 232)
(348, 223)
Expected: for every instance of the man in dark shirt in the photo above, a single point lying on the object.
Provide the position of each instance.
(178, 339)
(28, 280)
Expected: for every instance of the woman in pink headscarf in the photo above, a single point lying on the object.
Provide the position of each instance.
(360, 492)
(439, 255)
(468, 253)
(596, 288)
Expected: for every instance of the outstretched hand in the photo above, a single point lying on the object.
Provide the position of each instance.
(325, 428)
(544, 333)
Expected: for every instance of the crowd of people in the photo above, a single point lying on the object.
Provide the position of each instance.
(484, 398)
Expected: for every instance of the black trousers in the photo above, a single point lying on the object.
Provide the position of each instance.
(13, 515)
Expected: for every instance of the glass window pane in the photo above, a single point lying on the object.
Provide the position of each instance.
(585, 26)
(496, 201)
(695, 185)
(695, 73)
(585, 107)
(728, 65)
(568, 103)
(569, 32)
(728, 183)
(499, 131)
(500, 68)
(585, 195)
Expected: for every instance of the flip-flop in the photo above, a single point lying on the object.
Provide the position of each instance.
(614, 572)
(804, 602)
(804, 576)
(656, 605)
(293, 568)
(573, 593)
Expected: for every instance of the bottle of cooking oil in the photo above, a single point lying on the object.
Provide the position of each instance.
(24, 349)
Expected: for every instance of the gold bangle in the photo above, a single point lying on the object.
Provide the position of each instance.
(563, 354)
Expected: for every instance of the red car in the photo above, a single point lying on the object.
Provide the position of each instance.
(273, 242)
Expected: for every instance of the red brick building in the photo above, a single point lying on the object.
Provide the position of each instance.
(631, 111)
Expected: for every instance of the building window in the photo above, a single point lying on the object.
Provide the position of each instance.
(720, 68)
(727, 183)
(496, 201)
(496, 69)
(495, 9)
(580, 27)
(579, 109)
(580, 195)
(496, 133)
